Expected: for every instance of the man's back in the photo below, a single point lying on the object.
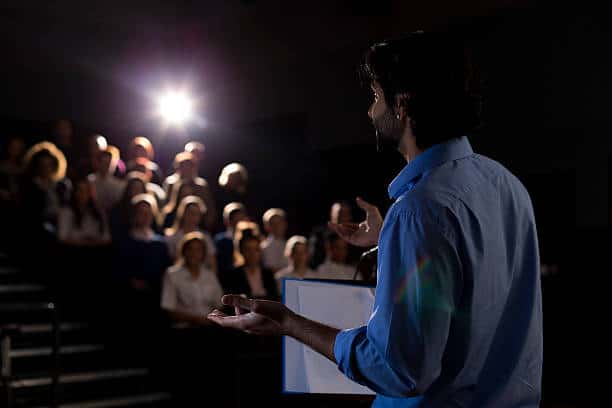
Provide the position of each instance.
(493, 356)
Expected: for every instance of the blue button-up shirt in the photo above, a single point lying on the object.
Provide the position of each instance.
(457, 318)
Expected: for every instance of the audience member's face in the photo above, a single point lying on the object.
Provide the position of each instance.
(139, 151)
(251, 252)
(136, 187)
(341, 213)
(338, 251)
(299, 256)
(82, 192)
(237, 183)
(194, 253)
(278, 226)
(46, 167)
(186, 169)
(16, 148)
(236, 217)
(198, 154)
(192, 216)
(143, 216)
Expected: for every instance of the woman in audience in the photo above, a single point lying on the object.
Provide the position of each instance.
(190, 289)
(45, 167)
(143, 254)
(120, 214)
(82, 224)
(296, 252)
(190, 218)
(142, 148)
(250, 277)
(107, 186)
(168, 215)
(336, 264)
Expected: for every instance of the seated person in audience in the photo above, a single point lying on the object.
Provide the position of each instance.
(197, 149)
(340, 212)
(45, 168)
(190, 289)
(186, 171)
(169, 211)
(189, 218)
(273, 247)
(296, 251)
(120, 214)
(142, 148)
(11, 168)
(335, 265)
(140, 165)
(86, 162)
(107, 186)
(233, 182)
(233, 213)
(249, 277)
(82, 223)
(143, 254)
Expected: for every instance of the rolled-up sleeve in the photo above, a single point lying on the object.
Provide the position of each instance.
(399, 352)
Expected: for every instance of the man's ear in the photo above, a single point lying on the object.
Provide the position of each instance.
(401, 101)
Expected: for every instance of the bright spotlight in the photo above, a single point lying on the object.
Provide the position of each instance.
(175, 107)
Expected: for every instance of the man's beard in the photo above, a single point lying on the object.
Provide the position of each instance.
(389, 131)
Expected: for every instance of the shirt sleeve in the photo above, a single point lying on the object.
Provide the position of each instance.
(168, 298)
(399, 352)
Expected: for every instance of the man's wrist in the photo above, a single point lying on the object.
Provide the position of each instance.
(291, 324)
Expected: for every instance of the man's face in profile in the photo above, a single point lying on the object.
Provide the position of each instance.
(388, 127)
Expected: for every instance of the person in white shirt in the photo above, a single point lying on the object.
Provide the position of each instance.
(108, 188)
(296, 251)
(190, 290)
(335, 265)
(190, 217)
(273, 247)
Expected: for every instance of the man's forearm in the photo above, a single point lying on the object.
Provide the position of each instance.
(319, 337)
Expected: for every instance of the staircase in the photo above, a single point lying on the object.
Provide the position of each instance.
(48, 361)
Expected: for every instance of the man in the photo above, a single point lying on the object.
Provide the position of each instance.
(340, 213)
(457, 313)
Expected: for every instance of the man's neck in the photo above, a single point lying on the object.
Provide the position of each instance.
(407, 145)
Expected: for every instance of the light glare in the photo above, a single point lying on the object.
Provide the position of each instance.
(175, 107)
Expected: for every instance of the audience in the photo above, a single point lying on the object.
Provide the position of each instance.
(273, 247)
(335, 265)
(296, 252)
(108, 188)
(142, 254)
(190, 289)
(340, 213)
(45, 167)
(233, 213)
(142, 154)
(189, 218)
(82, 223)
(249, 277)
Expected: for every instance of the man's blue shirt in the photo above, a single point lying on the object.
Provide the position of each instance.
(457, 318)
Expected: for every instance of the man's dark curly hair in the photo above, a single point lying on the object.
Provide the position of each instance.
(431, 68)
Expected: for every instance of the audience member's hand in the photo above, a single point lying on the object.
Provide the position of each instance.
(365, 233)
(262, 317)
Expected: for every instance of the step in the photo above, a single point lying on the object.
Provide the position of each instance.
(22, 293)
(47, 351)
(79, 386)
(41, 360)
(42, 334)
(80, 377)
(126, 401)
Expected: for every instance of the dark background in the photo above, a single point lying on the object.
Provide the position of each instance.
(278, 91)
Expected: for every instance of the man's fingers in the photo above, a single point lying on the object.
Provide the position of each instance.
(365, 206)
(237, 301)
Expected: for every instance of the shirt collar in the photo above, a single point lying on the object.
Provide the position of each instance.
(432, 157)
